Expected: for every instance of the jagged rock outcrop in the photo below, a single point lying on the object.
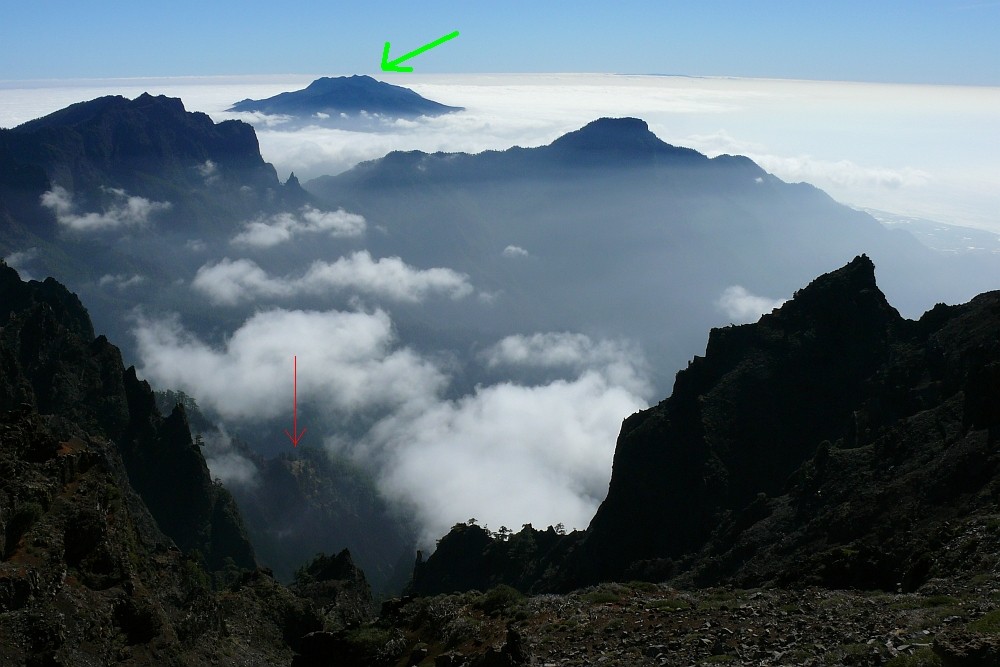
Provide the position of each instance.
(831, 443)
(304, 502)
(51, 362)
(98, 491)
(338, 588)
(470, 557)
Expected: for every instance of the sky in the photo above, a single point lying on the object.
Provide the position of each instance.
(912, 41)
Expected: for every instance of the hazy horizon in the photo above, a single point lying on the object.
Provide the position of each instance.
(925, 151)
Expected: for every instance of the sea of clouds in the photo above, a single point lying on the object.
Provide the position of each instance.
(920, 150)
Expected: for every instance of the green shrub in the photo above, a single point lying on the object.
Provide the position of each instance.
(922, 658)
(988, 623)
(499, 600)
(670, 604)
(644, 586)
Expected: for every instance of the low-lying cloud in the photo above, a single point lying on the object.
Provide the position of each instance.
(225, 463)
(229, 282)
(350, 359)
(741, 306)
(273, 230)
(843, 173)
(618, 361)
(124, 210)
(507, 453)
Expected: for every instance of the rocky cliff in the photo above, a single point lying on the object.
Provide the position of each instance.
(53, 363)
(116, 547)
(831, 443)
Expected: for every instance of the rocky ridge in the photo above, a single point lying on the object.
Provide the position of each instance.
(117, 547)
(832, 443)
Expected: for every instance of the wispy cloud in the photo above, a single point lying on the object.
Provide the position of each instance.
(515, 251)
(123, 211)
(20, 259)
(741, 306)
(120, 281)
(224, 462)
(229, 282)
(618, 361)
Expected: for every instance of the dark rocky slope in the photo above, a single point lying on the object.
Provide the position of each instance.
(117, 547)
(53, 363)
(304, 502)
(832, 443)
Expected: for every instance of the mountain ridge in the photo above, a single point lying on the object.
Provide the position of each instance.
(832, 443)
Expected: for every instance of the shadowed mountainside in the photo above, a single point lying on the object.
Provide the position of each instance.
(53, 363)
(117, 548)
(831, 443)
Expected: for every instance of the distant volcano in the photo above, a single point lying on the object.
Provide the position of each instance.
(347, 97)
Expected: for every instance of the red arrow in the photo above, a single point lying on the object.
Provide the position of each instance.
(295, 436)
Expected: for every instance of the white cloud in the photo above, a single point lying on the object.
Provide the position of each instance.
(279, 228)
(741, 306)
(842, 173)
(514, 251)
(196, 245)
(120, 281)
(228, 282)
(507, 454)
(123, 211)
(347, 361)
(209, 171)
(620, 362)
(224, 462)
(18, 261)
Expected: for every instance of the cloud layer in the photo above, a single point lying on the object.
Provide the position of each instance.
(507, 453)
(123, 211)
(229, 282)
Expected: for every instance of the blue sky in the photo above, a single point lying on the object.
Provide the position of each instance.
(888, 41)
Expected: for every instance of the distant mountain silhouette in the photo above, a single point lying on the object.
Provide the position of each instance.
(347, 96)
(622, 232)
(150, 144)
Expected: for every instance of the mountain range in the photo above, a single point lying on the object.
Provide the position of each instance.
(598, 260)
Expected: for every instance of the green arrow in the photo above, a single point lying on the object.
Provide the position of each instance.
(393, 65)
